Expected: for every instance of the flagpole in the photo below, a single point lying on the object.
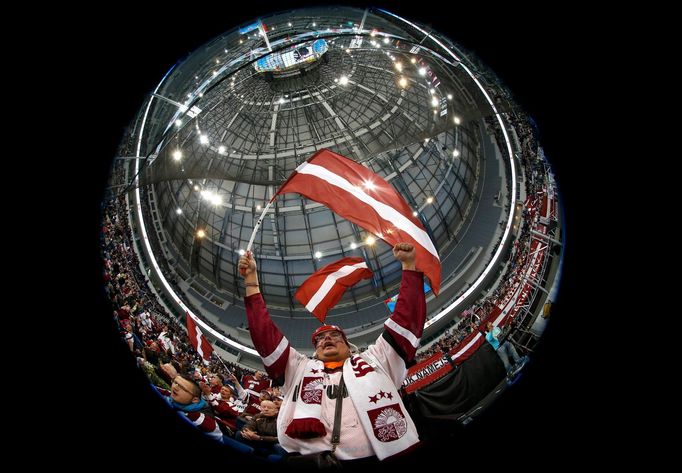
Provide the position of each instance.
(223, 363)
(256, 227)
(258, 224)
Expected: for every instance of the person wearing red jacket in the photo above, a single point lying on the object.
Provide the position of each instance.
(375, 423)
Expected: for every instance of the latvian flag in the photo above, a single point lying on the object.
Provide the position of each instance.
(197, 339)
(362, 197)
(321, 291)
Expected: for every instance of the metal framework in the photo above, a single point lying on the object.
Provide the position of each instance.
(220, 137)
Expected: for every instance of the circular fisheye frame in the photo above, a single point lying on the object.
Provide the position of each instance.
(343, 166)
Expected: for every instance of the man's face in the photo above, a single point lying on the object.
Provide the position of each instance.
(205, 388)
(182, 391)
(268, 408)
(225, 392)
(330, 346)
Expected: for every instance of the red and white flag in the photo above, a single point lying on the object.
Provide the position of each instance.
(197, 339)
(364, 198)
(321, 291)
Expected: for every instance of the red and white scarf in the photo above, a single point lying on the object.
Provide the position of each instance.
(382, 414)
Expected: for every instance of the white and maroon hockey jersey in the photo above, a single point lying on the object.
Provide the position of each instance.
(367, 431)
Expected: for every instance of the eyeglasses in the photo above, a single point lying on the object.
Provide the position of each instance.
(183, 388)
(333, 335)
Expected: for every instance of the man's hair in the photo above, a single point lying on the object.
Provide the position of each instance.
(196, 390)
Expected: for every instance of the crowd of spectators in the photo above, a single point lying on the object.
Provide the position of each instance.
(475, 317)
(225, 400)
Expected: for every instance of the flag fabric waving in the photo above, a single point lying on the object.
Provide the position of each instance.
(197, 339)
(364, 198)
(321, 291)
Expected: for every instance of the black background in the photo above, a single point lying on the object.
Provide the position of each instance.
(119, 56)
